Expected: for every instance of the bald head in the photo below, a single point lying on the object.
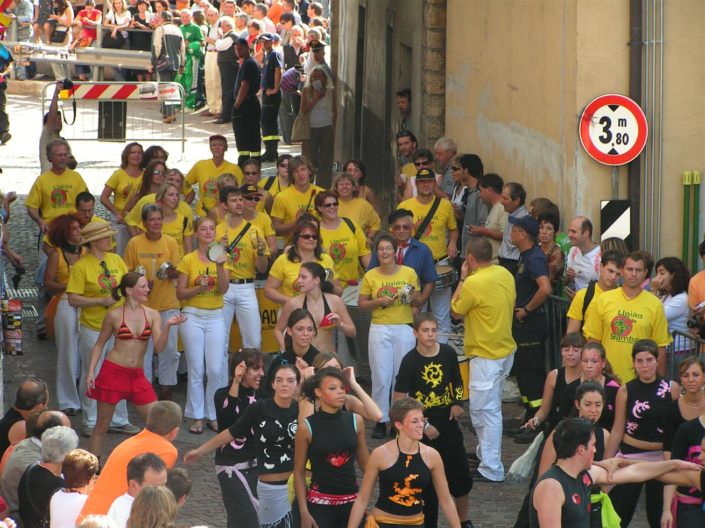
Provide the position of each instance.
(48, 419)
(32, 394)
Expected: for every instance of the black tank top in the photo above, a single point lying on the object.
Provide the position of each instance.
(576, 506)
(646, 405)
(326, 308)
(554, 414)
(401, 486)
(332, 455)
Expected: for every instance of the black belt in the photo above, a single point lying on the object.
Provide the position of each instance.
(508, 260)
(242, 281)
(436, 261)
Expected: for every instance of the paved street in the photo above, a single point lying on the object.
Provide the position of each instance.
(492, 505)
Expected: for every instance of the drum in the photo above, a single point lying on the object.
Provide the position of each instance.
(446, 277)
(215, 250)
(162, 272)
(268, 313)
(464, 364)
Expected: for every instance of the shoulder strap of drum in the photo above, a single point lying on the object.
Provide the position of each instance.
(183, 229)
(350, 223)
(422, 227)
(239, 237)
(270, 182)
(589, 295)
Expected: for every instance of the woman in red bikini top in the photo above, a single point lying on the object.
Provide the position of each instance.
(121, 375)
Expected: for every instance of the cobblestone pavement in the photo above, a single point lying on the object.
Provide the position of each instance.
(492, 505)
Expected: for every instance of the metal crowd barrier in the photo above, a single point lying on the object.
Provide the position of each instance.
(684, 344)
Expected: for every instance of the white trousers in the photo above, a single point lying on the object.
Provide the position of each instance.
(486, 379)
(167, 359)
(388, 344)
(440, 307)
(122, 237)
(86, 340)
(213, 90)
(203, 335)
(67, 360)
(241, 300)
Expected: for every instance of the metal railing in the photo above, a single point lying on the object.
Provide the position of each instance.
(556, 308)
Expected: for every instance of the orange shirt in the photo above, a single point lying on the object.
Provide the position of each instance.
(696, 290)
(112, 481)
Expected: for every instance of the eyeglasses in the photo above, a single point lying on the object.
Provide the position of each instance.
(252, 198)
(309, 237)
(330, 204)
(105, 269)
(158, 171)
(254, 173)
(405, 227)
(421, 163)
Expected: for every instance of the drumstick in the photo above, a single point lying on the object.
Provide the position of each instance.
(313, 193)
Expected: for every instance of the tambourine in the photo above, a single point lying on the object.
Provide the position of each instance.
(163, 271)
(405, 294)
(141, 270)
(215, 250)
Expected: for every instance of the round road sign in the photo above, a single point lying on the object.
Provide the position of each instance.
(613, 129)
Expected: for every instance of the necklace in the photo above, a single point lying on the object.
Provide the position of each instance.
(699, 404)
(72, 248)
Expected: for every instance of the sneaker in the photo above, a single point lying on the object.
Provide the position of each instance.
(87, 431)
(466, 524)
(5, 137)
(479, 477)
(127, 429)
(380, 431)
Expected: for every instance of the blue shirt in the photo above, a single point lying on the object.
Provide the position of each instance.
(508, 250)
(419, 258)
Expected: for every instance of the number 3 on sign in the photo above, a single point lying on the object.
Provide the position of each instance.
(613, 129)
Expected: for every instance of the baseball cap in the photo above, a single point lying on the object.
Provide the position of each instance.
(528, 223)
(425, 174)
(316, 45)
(249, 189)
(242, 42)
(266, 36)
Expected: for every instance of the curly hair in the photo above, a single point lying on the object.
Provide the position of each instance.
(59, 228)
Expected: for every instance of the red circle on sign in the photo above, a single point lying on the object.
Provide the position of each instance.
(586, 120)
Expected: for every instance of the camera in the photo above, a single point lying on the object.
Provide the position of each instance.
(67, 84)
(696, 322)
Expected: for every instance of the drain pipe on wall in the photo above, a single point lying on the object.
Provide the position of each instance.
(687, 182)
(696, 222)
(634, 168)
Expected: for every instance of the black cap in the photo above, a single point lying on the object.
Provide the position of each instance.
(242, 42)
(425, 174)
(399, 213)
(528, 223)
(248, 189)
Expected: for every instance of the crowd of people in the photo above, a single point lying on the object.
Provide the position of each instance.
(173, 283)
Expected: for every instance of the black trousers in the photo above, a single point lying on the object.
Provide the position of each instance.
(4, 119)
(228, 74)
(626, 496)
(531, 375)
(238, 507)
(270, 116)
(246, 120)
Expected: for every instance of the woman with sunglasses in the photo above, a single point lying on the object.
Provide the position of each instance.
(383, 292)
(201, 285)
(277, 183)
(258, 218)
(65, 236)
(123, 183)
(152, 250)
(90, 285)
(357, 209)
(282, 282)
(358, 170)
(121, 377)
(328, 310)
(296, 199)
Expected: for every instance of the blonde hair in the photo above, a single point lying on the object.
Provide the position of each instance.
(154, 507)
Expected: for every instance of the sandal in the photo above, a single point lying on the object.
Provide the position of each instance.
(196, 427)
(212, 425)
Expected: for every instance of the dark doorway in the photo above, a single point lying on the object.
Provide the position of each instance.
(359, 81)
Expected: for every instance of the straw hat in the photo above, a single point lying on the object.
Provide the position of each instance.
(95, 231)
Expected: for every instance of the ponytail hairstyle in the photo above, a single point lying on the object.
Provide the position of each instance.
(318, 271)
(129, 280)
(294, 317)
(309, 386)
(607, 371)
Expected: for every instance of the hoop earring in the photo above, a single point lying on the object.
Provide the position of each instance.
(683, 390)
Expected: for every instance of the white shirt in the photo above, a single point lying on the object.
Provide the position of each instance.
(65, 507)
(587, 266)
(119, 510)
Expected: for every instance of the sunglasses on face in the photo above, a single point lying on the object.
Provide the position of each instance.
(309, 237)
(253, 173)
(330, 204)
(284, 165)
(157, 171)
(252, 198)
(420, 163)
(401, 228)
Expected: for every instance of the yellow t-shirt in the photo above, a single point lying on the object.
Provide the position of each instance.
(194, 268)
(205, 174)
(436, 235)
(361, 212)
(575, 311)
(618, 322)
(274, 189)
(55, 195)
(123, 186)
(288, 202)
(376, 284)
(94, 219)
(264, 222)
(178, 229)
(486, 301)
(63, 268)
(345, 247)
(134, 217)
(288, 272)
(151, 254)
(89, 278)
(241, 264)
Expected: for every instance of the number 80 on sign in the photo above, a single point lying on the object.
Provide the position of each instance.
(613, 129)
